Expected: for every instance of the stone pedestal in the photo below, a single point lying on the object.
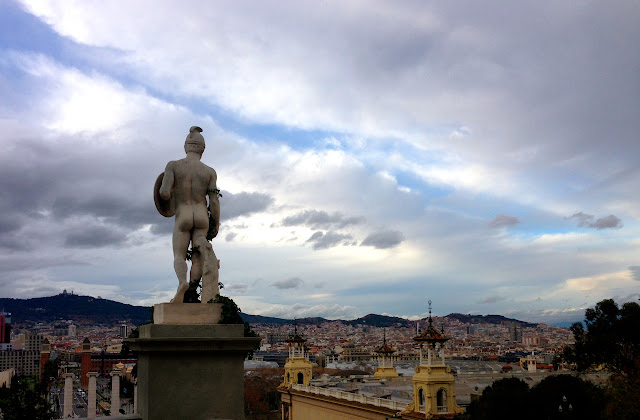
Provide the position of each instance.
(187, 313)
(135, 396)
(191, 371)
(115, 392)
(91, 401)
(68, 395)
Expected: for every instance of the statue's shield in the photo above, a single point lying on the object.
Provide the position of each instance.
(167, 208)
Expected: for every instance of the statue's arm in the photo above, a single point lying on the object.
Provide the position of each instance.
(167, 182)
(214, 202)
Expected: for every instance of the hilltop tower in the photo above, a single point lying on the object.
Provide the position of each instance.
(298, 368)
(433, 383)
(385, 367)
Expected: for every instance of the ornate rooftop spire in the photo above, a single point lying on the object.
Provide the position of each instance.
(431, 334)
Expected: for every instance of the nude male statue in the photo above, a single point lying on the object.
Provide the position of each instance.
(183, 191)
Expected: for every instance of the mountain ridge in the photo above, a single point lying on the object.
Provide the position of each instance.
(90, 310)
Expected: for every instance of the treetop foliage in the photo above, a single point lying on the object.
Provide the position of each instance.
(609, 336)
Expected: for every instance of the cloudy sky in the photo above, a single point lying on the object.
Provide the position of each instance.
(371, 154)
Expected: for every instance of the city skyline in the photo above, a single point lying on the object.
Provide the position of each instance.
(370, 156)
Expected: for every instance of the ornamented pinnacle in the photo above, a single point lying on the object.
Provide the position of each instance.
(295, 337)
(431, 334)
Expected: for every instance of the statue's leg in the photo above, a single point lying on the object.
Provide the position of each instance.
(191, 295)
(181, 241)
(196, 265)
(210, 277)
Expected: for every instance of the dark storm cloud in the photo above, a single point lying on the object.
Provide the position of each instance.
(55, 183)
(242, 204)
(588, 220)
(504, 220)
(237, 288)
(9, 225)
(492, 299)
(290, 283)
(320, 240)
(383, 239)
(315, 219)
(162, 228)
(14, 241)
(94, 237)
(607, 222)
(18, 262)
(635, 272)
(120, 210)
(23, 186)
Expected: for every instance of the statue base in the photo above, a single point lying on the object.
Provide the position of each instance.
(187, 313)
(191, 371)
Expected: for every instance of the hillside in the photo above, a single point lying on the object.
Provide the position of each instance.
(259, 319)
(488, 319)
(80, 309)
(372, 320)
(382, 321)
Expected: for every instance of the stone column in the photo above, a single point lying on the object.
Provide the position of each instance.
(115, 392)
(135, 396)
(68, 395)
(91, 402)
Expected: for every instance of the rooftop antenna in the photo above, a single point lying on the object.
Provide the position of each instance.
(384, 337)
(430, 319)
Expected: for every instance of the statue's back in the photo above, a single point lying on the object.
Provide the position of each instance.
(192, 179)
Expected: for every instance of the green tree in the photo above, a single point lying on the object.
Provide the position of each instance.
(611, 338)
(622, 398)
(24, 400)
(567, 397)
(231, 315)
(50, 370)
(261, 396)
(555, 397)
(506, 399)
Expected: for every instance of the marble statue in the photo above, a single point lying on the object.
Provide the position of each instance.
(182, 191)
(210, 267)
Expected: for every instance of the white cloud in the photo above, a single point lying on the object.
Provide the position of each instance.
(426, 119)
(329, 311)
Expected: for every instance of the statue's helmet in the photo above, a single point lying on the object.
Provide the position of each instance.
(194, 141)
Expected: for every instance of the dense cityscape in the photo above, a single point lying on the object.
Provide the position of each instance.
(478, 352)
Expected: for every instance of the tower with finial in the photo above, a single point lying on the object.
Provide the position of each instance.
(385, 367)
(45, 354)
(298, 368)
(85, 362)
(433, 383)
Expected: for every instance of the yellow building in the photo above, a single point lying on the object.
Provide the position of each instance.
(433, 394)
(297, 369)
(385, 367)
